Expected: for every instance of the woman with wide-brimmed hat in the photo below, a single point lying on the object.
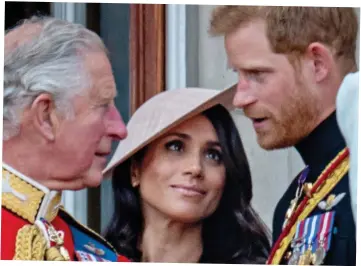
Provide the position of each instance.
(182, 184)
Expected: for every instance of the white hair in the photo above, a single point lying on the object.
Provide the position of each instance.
(51, 62)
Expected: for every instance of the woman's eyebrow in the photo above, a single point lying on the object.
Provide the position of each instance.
(210, 143)
(180, 135)
(213, 143)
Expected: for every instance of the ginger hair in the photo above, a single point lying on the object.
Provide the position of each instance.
(290, 30)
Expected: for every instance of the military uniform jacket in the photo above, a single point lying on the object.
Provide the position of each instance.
(317, 151)
(34, 226)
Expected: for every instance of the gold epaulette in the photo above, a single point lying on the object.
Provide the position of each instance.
(33, 202)
(27, 198)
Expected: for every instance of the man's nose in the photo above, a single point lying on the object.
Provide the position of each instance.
(116, 127)
(243, 96)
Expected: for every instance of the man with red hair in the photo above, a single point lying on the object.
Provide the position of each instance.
(290, 63)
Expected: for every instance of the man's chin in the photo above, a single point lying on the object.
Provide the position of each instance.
(94, 182)
(93, 179)
(270, 143)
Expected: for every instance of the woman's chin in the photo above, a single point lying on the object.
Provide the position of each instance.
(186, 216)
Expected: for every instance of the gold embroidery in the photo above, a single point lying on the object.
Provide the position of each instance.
(29, 207)
(26, 209)
(31, 201)
(53, 254)
(30, 244)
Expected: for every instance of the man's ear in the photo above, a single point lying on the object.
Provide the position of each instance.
(321, 59)
(46, 119)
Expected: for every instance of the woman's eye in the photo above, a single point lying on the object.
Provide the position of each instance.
(214, 155)
(175, 145)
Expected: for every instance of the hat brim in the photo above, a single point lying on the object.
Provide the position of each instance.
(142, 131)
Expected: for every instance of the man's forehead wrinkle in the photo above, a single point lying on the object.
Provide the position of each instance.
(21, 35)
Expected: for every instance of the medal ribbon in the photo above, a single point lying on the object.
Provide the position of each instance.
(335, 171)
(326, 230)
(319, 220)
(310, 233)
(299, 232)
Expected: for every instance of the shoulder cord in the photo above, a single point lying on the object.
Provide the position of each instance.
(30, 244)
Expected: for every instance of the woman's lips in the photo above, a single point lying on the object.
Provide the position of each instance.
(189, 190)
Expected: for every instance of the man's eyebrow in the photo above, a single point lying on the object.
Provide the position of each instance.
(109, 96)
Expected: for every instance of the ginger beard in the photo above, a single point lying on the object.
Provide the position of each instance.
(290, 121)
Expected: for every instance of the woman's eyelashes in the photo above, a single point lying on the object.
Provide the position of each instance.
(175, 145)
(214, 155)
(179, 146)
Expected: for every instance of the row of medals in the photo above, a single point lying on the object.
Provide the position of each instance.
(307, 258)
(295, 257)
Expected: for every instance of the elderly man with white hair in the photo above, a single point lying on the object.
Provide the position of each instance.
(59, 122)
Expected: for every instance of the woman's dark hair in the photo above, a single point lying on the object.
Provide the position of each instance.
(234, 233)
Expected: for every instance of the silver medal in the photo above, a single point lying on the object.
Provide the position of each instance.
(294, 258)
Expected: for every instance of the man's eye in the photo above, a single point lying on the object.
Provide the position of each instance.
(105, 105)
(234, 70)
(175, 145)
(255, 75)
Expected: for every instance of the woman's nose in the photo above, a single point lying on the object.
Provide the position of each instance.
(194, 166)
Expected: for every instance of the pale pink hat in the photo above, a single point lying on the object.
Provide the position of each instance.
(163, 112)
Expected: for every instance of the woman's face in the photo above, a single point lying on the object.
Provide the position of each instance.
(182, 175)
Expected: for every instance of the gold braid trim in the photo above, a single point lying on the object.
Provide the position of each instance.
(53, 254)
(333, 179)
(30, 244)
